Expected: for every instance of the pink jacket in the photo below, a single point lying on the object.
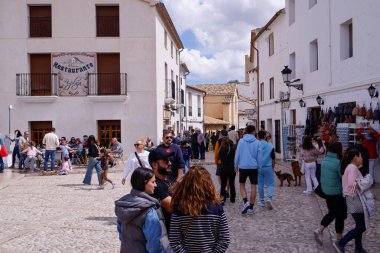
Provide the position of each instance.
(351, 174)
(31, 151)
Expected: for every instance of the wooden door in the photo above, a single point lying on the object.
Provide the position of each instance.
(108, 129)
(40, 77)
(38, 129)
(108, 74)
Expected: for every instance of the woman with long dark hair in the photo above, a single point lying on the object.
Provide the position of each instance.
(308, 156)
(140, 219)
(318, 144)
(93, 154)
(331, 183)
(227, 170)
(198, 222)
(351, 162)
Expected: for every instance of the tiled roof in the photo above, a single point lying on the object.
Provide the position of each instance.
(213, 121)
(217, 89)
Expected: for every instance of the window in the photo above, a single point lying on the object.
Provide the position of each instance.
(313, 55)
(40, 75)
(346, 40)
(312, 3)
(166, 39)
(173, 88)
(108, 74)
(40, 21)
(190, 102)
(292, 11)
(171, 48)
(108, 129)
(166, 81)
(182, 96)
(107, 21)
(271, 44)
(38, 129)
(177, 90)
(271, 88)
(292, 65)
(262, 124)
(262, 92)
(176, 56)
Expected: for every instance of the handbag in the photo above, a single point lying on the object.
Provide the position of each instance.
(319, 192)
(138, 159)
(354, 205)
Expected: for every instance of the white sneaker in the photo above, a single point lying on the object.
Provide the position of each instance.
(318, 235)
(243, 210)
(260, 203)
(307, 192)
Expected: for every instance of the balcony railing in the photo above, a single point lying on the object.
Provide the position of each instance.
(107, 26)
(107, 84)
(40, 26)
(36, 84)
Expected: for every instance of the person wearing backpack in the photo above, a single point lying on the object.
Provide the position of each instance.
(226, 156)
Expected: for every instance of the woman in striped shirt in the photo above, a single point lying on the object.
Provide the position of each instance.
(198, 222)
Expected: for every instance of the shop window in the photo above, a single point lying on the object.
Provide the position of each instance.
(40, 21)
(38, 129)
(108, 129)
(107, 21)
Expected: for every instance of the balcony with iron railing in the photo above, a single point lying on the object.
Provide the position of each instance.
(40, 27)
(46, 84)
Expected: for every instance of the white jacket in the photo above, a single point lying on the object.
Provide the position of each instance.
(366, 197)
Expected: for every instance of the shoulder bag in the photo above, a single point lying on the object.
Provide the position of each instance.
(138, 159)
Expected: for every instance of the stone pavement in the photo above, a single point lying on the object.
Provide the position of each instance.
(59, 214)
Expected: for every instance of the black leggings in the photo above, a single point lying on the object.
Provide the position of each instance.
(355, 233)
(337, 211)
(227, 175)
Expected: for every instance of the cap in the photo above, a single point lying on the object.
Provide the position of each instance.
(159, 154)
(224, 132)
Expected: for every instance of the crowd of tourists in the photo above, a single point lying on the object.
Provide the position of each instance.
(343, 178)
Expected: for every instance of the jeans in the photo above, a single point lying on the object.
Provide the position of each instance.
(228, 174)
(355, 233)
(30, 161)
(187, 166)
(371, 167)
(16, 152)
(310, 175)
(266, 176)
(92, 162)
(337, 211)
(51, 154)
(318, 172)
(1, 164)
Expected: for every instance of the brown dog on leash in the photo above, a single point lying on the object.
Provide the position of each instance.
(297, 172)
(284, 176)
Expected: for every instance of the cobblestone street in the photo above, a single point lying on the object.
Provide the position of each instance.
(59, 214)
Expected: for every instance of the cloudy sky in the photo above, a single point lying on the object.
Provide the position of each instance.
(216, 34)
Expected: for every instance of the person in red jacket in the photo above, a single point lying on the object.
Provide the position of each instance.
(370, 143)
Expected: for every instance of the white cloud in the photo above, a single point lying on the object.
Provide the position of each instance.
(222, 28)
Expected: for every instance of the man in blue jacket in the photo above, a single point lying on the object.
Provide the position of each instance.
(266, 160)
(247, 165)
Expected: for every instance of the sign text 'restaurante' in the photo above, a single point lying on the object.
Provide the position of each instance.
(72, 70)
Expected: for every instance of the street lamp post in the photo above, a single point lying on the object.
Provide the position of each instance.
(10, 107)
(286, 73)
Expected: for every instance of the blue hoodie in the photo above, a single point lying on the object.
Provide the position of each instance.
(247, 152)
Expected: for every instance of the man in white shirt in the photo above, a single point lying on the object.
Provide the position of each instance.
(233, 135)
(51, 143)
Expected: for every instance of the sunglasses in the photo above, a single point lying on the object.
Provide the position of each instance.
(137, 144)
(169, 137)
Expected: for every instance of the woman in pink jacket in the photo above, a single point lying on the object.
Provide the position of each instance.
(351, 162)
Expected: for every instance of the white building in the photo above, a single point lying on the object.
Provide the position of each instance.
(88, 67)
(246, 105)
(331, 46)
(194, 116)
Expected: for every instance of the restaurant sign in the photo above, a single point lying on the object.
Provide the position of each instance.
(72, 70)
